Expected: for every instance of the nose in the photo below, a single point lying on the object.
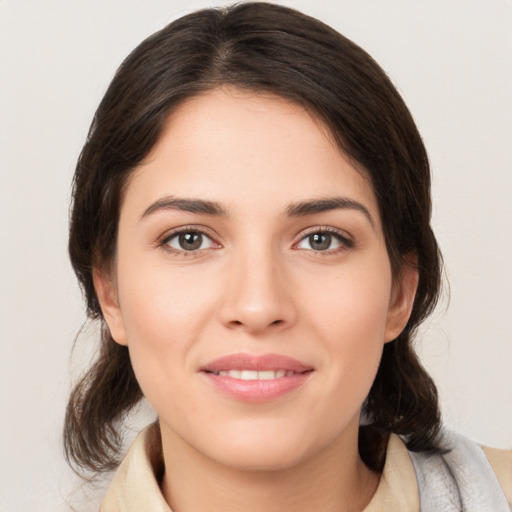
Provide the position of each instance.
(258, 296)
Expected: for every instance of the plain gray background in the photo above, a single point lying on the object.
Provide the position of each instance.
(451, 60)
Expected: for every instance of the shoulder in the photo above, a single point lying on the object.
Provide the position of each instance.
(135, 486)
(501, 463)
(462, 477)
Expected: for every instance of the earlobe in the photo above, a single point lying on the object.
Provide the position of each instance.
(107, 297)
(402, 300)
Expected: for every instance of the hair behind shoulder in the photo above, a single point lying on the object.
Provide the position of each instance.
(264, 48)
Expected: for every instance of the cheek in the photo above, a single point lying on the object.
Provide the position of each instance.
(351, 312)
(159, 301)
(164, 313)
(354, 300)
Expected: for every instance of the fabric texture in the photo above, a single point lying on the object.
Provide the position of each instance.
(462, 480)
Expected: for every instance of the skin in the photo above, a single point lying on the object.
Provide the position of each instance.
(256, 285)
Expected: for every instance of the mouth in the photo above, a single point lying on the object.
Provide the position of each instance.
(255, 375)
(256, 379)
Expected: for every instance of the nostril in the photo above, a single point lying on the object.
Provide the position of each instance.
(252, 325)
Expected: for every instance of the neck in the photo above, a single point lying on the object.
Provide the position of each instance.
(334, 480)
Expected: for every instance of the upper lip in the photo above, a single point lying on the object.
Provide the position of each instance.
(263, 362)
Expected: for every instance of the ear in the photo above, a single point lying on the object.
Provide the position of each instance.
(402, 299)
(107, 296)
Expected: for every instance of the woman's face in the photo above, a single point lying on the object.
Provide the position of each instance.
(252, 283)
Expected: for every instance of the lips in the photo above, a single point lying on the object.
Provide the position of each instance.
(266, 362)
(255, 375)
(255, 379)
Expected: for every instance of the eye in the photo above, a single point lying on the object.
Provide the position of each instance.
(323, 240)
(188, 241)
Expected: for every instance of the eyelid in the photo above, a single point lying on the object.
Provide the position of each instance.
(163, 241)
(345, 238)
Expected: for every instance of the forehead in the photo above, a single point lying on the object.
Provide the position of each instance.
(243, 148)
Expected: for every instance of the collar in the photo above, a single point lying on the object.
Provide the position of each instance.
(135, 486)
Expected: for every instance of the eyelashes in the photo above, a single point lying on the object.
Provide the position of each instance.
(325, 239)
(190, 241)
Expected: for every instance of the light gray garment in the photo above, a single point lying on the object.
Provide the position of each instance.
(459, 481)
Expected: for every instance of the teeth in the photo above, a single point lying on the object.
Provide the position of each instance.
(249, 375)
(255, 375)
(267, 375)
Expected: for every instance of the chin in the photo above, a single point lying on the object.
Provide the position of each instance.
(257, 458)
(266, 449)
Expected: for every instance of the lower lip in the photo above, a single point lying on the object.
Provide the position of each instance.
(257, 391)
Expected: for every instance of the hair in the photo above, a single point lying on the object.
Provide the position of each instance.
(263, 48)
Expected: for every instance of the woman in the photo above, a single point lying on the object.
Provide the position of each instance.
(251, 226)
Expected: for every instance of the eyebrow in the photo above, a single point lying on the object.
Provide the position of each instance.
(324, 205)
(301, 209)
(186, 205)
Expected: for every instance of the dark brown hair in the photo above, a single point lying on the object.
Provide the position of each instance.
(263, 48)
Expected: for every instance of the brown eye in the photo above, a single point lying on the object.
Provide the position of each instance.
(320, 241)
(189, 241)
(324, 241)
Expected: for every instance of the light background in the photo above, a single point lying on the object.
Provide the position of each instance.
(451, 60)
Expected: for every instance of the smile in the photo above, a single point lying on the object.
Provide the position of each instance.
(255, 375)
(256, 379)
